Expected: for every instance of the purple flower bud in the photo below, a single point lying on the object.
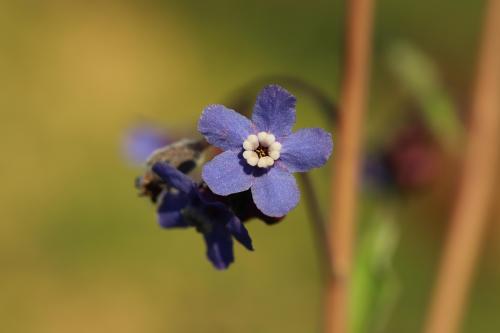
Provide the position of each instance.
(183, 204)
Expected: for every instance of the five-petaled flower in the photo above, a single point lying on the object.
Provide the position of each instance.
(262, 154)
(184, 204)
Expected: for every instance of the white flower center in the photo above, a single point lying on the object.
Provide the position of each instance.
(261, 150)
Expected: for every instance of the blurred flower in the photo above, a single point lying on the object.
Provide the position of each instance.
(411, 161)
(262, 154)
(414, 157)
(142, 140)
(184, 205)
(376, 173)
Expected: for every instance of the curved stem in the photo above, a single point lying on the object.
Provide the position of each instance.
(317, 224)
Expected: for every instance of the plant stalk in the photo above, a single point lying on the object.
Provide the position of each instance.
(468, 220)
(347, 160)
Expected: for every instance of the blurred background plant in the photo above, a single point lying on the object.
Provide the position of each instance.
(79, 252)
(142, 139)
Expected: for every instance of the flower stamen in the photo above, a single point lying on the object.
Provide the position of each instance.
(261, 150)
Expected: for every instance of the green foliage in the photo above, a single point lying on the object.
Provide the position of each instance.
(375, 286)
(419, 76)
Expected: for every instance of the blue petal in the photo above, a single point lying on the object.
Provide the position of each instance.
(169, 211)
(306, 149)
(219, 247)
(274, 111)
(173, 177)
(275, 193)
(142, 140)
(224, 128)
(238, 230)
(227, 173)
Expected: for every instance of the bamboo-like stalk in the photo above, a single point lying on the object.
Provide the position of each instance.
(470, 213)
(347, 161)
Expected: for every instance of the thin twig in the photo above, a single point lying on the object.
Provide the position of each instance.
(347, 160)
(317, 224)
(470, 214)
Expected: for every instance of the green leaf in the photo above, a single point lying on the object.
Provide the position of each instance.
(417, 73)
(375, 285)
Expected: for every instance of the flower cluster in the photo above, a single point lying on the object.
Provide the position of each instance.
(251, 177)
(185, 204)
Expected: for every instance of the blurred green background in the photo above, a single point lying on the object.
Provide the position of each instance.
(80, 252)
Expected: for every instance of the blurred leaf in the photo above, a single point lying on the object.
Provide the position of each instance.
(375, 285)
(417, 73)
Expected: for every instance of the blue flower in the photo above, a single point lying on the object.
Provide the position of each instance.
(261, 154)
(184, 204)
(141, 140)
